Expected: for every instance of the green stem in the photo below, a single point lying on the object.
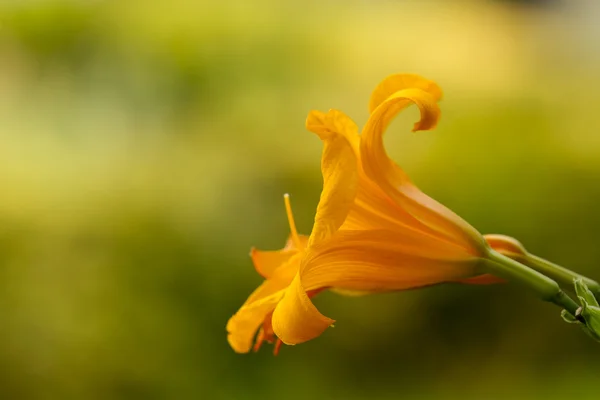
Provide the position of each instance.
(560, 274)
(544, 287)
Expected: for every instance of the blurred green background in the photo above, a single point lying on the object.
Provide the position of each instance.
(145, 147)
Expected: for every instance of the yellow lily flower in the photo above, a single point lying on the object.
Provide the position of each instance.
(374, 230)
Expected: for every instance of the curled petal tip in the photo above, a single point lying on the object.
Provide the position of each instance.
(397, 82)
(296, 319)
(315, 122)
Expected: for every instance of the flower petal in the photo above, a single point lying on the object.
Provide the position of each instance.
(397, 82)
(296, 319)
(365, 261)
(395, 183)
(265, 262)
(372, 208)
(242, 326)
(340, 175)
(381, 260)
(334, 122)
(339, 166)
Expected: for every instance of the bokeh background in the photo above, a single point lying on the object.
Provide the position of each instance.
(145, 147)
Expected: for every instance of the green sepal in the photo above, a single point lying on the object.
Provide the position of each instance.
(568, 317)
(585, 295)
(588, 315)
(591, 315)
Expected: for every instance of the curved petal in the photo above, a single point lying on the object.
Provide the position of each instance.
(396, 184)
(365, 261)
(339, 166)
(334, 122)
(381, 260)
(266, 262)
(372, 208)
(242, 326)
(296, 319)
(397, 82)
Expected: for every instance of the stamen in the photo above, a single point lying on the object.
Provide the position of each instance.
(288, 210)
(277, 347)
(259, 340)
